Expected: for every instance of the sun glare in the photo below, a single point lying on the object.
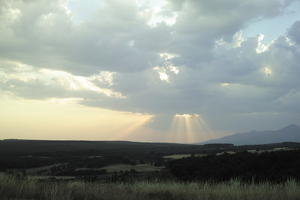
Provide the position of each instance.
(189, 128)
(225, 84)
(163, 76)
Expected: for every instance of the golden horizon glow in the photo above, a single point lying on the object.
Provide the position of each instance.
(67, 119)
(64, 119)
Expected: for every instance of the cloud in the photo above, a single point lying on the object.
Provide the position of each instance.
(200, 23)
(27, 81)
(42, 33)
(294, 32)
(130, 57)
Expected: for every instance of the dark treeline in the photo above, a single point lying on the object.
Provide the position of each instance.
(269, 166)
(22, 154)
(85, 159)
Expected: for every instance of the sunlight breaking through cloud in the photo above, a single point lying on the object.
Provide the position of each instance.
(155, 13)
(190, 128)
(167, 68)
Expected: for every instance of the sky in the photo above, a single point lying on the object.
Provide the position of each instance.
(147, 70)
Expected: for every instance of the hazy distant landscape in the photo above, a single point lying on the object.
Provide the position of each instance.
(288, 133)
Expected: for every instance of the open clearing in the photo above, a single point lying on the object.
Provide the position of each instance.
(180, 156)
(124, 167)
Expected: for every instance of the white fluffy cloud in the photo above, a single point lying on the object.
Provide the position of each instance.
(30, 82)
(163, 58)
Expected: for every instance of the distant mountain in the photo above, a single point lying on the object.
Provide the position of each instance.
(290, 133)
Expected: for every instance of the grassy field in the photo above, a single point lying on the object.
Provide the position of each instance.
(29, 189)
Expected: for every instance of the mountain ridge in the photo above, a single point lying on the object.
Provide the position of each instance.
(290, 133)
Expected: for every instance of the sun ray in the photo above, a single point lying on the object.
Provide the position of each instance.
(204, 131)
(124, 132)
(173, 129)
(189, 128)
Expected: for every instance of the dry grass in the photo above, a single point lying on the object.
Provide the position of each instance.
(29, 189)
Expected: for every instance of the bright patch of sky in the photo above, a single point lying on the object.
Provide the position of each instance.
(272, 28)
(83, 10)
